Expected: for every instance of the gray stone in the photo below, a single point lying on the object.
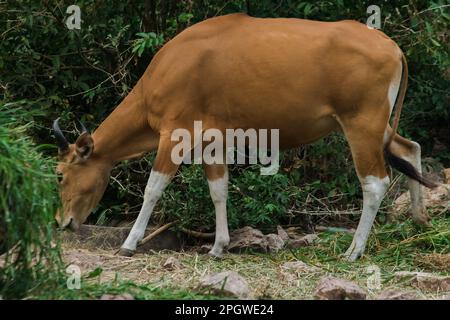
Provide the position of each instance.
(247, 238)
(274, 242)
(425, 281)
(393, 294)
(282, 233)
(303, 241)
(123, 296)
(330, 288)
(229, 283)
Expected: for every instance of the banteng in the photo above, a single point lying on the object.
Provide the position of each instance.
(305, 78)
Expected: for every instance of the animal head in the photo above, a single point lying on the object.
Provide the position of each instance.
(82, 176)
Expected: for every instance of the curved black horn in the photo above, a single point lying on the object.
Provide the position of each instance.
(61, 141)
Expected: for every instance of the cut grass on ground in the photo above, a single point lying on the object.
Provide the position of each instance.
(392, 247)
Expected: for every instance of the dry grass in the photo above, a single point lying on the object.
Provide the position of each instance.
(434, 261)
(264, 272)
(399, 246)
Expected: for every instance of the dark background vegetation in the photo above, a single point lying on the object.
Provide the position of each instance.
(48, 71)
(51, 71)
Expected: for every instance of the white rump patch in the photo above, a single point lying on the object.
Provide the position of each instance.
(394, 87)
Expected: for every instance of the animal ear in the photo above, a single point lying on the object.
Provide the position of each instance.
(84, 145)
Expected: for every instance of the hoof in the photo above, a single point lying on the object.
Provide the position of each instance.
(420, 217)
(215, 254)
(125, 252)
(353, 253)
(351, 257)
(422, 221)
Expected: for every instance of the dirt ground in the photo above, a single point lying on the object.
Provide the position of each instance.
(264, 273)
(391, 249)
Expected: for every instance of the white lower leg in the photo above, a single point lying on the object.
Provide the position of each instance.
(373, 192)
(156, 184)
(219, 191)
(415, 189)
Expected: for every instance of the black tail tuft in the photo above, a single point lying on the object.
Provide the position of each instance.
(406, 168)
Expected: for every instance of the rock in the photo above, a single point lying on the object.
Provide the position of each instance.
(438, 197)
(330, 288)
(299, 267)
(310, 238)
(123, 296)
(392, 294)
(274, 242)
(247, 238)
(282, 233)
(250, 238)
(433, 170)
(302, 241)
(406, 275)
(228, 282)
(425, 281)
(171, 263)
(293, 232)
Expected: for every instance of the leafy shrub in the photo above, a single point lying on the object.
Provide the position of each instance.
(28, 202)
(53, 71)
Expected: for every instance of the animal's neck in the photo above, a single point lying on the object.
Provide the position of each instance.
(125, 133)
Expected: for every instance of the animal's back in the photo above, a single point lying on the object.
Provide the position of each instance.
(235, 71)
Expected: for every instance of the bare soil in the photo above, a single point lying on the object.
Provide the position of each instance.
(264, 272)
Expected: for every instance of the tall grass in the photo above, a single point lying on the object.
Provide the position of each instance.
(28, 200)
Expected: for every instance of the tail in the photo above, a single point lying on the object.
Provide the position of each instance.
(406, 168)
(398, 163)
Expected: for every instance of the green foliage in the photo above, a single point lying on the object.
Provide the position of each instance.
(48, 71)
(52, 71)
(28, 202)
(254, 199)
(93, 289)
(147, 40)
